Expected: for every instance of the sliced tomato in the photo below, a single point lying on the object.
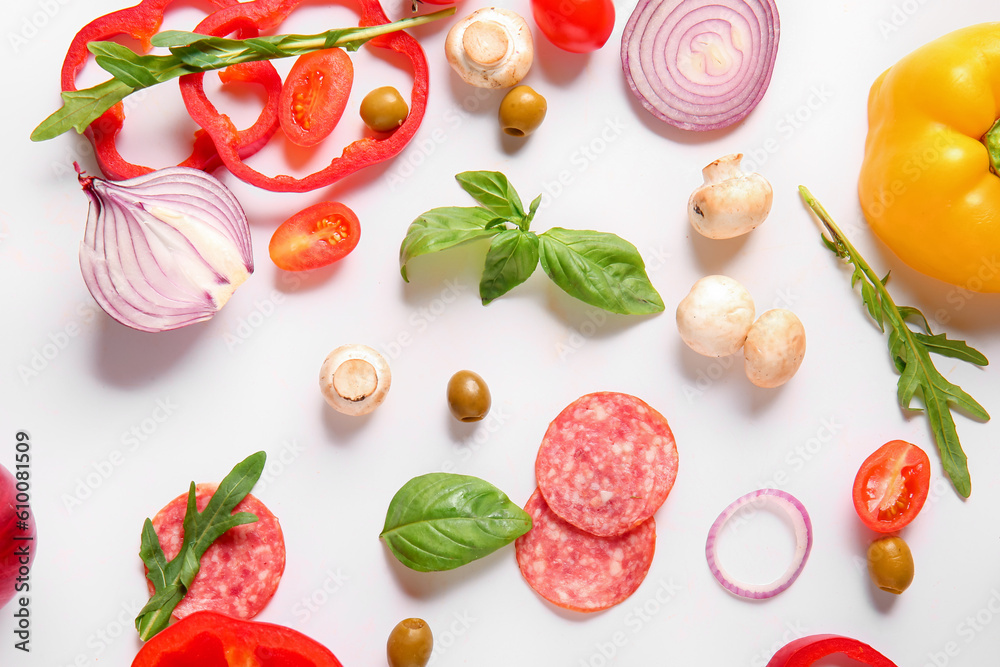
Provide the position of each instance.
(314, 96)
(891, 486)
(207, 639)
(315, 236)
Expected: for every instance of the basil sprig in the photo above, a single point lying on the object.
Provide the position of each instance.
(190, 53)
(173, 579)
(910, 350)
(598, 268)
(440, 521)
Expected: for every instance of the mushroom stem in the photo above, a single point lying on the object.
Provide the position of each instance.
(355, 380)
(485, 42)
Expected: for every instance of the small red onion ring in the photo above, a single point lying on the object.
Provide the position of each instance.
(700, 64)
(165, 249)
(803, 544)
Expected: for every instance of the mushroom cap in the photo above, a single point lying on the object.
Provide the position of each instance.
(729, 203)
(354, 379)
(713, 319)
(490, 48)
(774, 348)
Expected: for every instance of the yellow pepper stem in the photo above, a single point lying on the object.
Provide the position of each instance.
(992, 141)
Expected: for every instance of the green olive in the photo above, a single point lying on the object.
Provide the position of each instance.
(384, 109)
(522, 111)
(410, 644)
(890, 564)
(468, 396)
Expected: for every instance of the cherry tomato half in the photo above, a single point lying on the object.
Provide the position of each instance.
(314, 237)
(314, 96)
(578, 26)
(891, 486)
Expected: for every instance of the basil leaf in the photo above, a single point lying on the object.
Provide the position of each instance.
(494, 191)
(512, 258)
(172, 579)
(601, 269)
(443, 228)
(440, 521)
(532, 209)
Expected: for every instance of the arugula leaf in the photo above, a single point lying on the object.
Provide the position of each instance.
(443, 228)
(910, 351)
(172, 579)
(494, 191)
(598, 268)
(195, 53)
(440, 521)
(512, 258)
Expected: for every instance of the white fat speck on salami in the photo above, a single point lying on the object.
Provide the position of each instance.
(240, 571)
(576, 570)
(606, 463)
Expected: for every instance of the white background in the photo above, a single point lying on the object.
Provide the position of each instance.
(247, 380)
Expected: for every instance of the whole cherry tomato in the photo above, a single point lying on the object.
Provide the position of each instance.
(578, 26)
(314, 96)
(314, 237)
(891, 486)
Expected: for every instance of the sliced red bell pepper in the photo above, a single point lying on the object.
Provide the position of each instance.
(267, 14)
(805, 651)
(208, 639)
(141, 22)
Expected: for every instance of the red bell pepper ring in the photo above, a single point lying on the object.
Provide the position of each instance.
(208, 639)
(141, 22)
(267, 14)
(805, 651)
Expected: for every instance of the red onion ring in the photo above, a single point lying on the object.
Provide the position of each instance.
(165, 249)
(700, 64)
(803, 544)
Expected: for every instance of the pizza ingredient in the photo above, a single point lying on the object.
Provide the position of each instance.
(316, 236)
(891, 486)
(17, 534)
(890, 564)
(910, 351)
(929, 184)
(163, 250)
(189, 53)
(577, 570)
(314, 95)
(172, 579)
(774, 348)
(606, 463)
(208, 639)
(468, 396)
(384, 109)
(490, 48)
(715, 317)
(700, 64)
(240, 571)
(600, 269)
(580, 26)
(803, 543)
(410, 643)
(805, 651)
(354, 379)
(522, 110)
(440, 521)
(729, 203)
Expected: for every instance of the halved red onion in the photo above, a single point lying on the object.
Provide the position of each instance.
(165, 249)
(803, 544)
(700, 64)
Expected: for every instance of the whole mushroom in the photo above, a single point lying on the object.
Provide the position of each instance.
(715, 316)
(354, 379)
(774, 348)
(729, 203)
(490, 48)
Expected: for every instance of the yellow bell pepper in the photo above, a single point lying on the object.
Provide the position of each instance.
(928, 187)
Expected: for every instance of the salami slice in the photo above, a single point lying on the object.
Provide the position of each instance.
(576, 570)
(240, 571)
(606, 463)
